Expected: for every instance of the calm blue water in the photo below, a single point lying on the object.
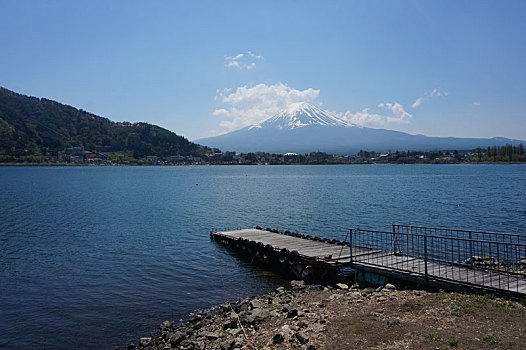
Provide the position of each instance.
(93, 257)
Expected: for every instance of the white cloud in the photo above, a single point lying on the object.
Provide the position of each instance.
(476, 104)
(418, 102)
(438, 92)
(242, 60)
(250, 104)
(363, 117)
(254, 55)
(397, 114)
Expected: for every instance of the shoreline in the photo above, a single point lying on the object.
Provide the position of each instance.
(178, 165)
(311, 317)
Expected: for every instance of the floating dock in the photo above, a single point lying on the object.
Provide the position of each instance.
(436, 257)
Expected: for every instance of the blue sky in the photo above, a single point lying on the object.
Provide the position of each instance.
(448, 68)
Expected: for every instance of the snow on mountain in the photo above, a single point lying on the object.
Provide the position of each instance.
(299, 115)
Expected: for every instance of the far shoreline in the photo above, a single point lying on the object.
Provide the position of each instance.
(289, 164)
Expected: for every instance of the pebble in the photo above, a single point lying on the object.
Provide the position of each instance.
(302, 337)
(342, 286)
(176, 338)
(389, 286)
(393, 322)
(297, 285)
(144, 341)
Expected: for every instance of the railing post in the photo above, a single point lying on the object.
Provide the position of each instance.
(393, 246)
(351, 244)
(470, 249)
(425, 257)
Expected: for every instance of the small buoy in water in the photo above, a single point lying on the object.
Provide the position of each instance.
(197, 184)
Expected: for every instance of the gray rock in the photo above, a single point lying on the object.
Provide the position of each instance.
(177, 338)
(227, 344)
(393, 322)
(302, 324)
(311, 347)
(297, 285)
(342, 286)
(234, 331)
(229, 324)
(302, 337)
(379, 289)
(280, 290)
(196, 318)
(278, 338)
(255, 304)
(199, 345)
(256, 316)
(335, 296)
(211, 336)
(317, 287)
(389, 286)
(238, 343)
(355, 295)
(186, 344)
(274, 313)
(144, 341)
(165, 325)
(224, 308)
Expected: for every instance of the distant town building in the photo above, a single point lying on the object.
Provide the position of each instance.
(75, 150)
(175, 159)
(63, 157)
(290, 157)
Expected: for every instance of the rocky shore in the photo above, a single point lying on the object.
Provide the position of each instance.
(312, 317)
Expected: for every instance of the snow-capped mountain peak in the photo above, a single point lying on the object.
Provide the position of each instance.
(298, 115)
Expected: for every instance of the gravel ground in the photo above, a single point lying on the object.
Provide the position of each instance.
(312, 317)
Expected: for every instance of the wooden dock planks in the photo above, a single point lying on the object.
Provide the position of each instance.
(308, 248)
(339, 255)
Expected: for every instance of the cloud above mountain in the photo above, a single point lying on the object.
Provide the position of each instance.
(247, 105)
(395, 114)
(251, 104)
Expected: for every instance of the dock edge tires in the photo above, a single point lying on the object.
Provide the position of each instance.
(251, 247)
(283, 255)
(293, 258)
(268, 252)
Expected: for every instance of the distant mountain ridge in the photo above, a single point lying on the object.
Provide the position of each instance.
(304, 128)
(32, 127)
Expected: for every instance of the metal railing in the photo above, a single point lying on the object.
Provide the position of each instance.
(459, 233)
(444, 254)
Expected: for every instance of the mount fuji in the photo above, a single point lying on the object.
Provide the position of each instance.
(303, 128)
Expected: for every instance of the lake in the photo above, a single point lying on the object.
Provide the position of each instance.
(94, 257)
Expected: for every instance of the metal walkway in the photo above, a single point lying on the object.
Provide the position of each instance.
(433, 256)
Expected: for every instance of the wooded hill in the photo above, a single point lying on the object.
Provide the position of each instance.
(32, 128)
